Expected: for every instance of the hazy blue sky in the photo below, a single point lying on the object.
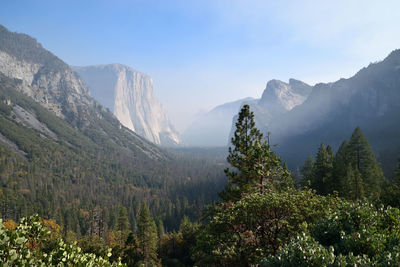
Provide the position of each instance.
(205, 53)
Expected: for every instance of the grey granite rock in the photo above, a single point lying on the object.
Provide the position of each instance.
(129, 95)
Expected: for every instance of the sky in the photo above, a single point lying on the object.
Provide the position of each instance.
(204, 53)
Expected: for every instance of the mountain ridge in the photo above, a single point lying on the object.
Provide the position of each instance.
(369, 99)
(52, 83)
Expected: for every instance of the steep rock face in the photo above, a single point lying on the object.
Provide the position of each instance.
(129, 95)
(279, 96)
(213, 127)
(44, 77)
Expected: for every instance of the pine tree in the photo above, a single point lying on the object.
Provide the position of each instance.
(189, 232)
(160, 228)
(147, 236)
(396, 174)
(340, 164)
(307, 171)
(354, 183)
(362, 158)
(123, 220)
(131, 255)
(323, 171)
(391, 195)
(255, 165)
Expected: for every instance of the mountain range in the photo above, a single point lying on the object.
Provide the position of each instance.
(217, 126)
(299, 117)
(370, 99)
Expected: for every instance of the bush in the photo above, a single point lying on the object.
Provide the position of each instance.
(356, 234)
(24, 247)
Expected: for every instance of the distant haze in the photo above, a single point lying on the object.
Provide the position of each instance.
(201, 54)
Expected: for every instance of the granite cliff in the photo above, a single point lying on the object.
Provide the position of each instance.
(51, 82)
(129, 95)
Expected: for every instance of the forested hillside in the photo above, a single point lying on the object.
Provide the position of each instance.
(65, 156)
(50, 168)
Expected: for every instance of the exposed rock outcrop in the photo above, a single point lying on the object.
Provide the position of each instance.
(29, 68)
(45, 78)
(277, 99)
(129, 95)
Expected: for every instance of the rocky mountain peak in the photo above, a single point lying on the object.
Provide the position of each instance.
(279, 96)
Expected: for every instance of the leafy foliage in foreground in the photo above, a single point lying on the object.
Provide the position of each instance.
(258, 225)
(299, 228)
(27, 245)
(351, 234)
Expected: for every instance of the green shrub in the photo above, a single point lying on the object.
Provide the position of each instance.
(24, 247)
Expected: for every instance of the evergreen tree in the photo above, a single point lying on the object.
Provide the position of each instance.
(362, 158)
(329, 150)
(123, 220)
(354, 184)
(340, 164)
(147, 235)
(255, 165)
(391, 195)
(131, 256)
(396, 174)
(307, 171)
(160, 228)
(323, 169)
(189, 231)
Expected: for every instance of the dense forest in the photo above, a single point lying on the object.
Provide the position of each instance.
(73, 176)
(339, 211)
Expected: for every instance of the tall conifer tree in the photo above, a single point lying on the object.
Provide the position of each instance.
(123, 220)
(256, 168)
(307, 171)
(340, 165)
(396, 174)
(354, 184)
(362, 158)
(323, 170)
(147, 235)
